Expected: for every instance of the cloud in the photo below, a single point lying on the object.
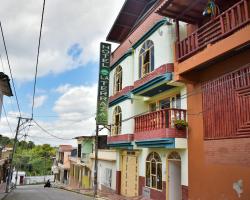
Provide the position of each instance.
(76, 26)
(77, 102)
(75, 107)
(63, 88)
(40, 100)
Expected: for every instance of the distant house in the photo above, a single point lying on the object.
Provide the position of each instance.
(4, 161)
(82, 165)
(5, 88)
(18, 177)
(61, 165)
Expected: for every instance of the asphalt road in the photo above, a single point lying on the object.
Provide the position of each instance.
(39, 193)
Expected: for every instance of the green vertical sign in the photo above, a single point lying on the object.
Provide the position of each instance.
(103, 86)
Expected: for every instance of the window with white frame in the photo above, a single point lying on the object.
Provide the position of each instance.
(146, 58)
(118, 79)
(117, 121)
(154, 171)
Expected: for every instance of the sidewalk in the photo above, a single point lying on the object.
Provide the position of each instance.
(101, 194)
(2, 190)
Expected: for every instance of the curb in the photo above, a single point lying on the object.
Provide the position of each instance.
(89, 195)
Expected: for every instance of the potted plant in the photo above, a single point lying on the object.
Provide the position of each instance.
(180, 124)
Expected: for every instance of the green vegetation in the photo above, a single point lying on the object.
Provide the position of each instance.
(35, 160)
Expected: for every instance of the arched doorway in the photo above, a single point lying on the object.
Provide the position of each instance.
(174, 174)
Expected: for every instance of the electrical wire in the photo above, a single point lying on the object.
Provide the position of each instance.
(45, 131)
(12, 79)
(185, 96)
(37, 60)
(5, 113)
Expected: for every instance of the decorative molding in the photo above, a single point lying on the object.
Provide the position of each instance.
(121, 138)
(160, 134)
(150, 76)
(124, 91)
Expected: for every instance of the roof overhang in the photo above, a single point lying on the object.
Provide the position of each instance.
(130, 14)
(189, 11)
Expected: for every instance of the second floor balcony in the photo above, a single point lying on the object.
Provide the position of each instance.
(159, 125)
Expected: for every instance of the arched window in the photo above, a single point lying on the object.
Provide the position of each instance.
(118, 79)
(117, 121)
(146, 58)
(154, 171)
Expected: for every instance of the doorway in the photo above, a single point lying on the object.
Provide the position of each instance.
(174, 176)
(129, 179)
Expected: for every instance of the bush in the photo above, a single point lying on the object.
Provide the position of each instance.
(180, 124)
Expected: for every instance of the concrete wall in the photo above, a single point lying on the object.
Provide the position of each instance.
(38, 179)
(106, 160)
(220, 163)
(66, 162)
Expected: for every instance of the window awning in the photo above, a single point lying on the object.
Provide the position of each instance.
(129, 16)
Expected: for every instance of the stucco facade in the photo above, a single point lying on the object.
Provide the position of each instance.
(142, 113)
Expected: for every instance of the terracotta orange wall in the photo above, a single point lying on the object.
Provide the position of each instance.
(216, 164)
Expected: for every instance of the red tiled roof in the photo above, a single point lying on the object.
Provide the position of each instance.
(63, 148)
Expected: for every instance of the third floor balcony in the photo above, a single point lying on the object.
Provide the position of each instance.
(216, 29)
(222, 33)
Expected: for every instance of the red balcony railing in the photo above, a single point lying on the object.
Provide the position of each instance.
(160, 119)
(221, 26)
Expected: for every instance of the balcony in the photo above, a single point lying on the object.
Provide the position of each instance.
(157, 128)
(224, 25)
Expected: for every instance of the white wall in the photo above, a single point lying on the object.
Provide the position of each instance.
(19, 174)
(164, 155)
(127, 111)
(183, 93)
(163, 40)
(127, 74)
(102, 164)
(38, 179)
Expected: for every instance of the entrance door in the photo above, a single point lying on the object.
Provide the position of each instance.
(129, 182)
(174, 172)
(21, 180)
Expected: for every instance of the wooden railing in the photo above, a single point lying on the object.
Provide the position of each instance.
(221, 26)
(159, 119)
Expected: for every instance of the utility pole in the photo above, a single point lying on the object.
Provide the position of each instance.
(96, 161)
(13, 152)
(45, 171)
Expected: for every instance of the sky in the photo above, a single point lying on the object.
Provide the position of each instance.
(65, 101)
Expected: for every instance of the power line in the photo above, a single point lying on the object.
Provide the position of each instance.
(185, 96)
(45, 131)
(37, 60)
(5, 113)
(12, 79)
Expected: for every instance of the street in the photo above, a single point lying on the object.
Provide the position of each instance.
(37, 192)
